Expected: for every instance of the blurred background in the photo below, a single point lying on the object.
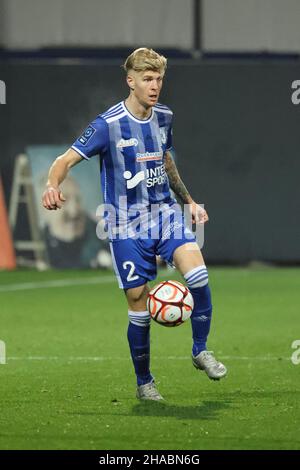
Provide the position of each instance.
(230, 78)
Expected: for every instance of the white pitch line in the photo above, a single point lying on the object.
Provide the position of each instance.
(168, 358)
(57, 283)
(63, 283)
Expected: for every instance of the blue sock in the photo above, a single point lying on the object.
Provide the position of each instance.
(139, 342)
(197, 281)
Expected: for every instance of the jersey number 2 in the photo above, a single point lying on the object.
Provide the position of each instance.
(131, 266)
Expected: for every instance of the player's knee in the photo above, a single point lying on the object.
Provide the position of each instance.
(197, 277)
(137, 297)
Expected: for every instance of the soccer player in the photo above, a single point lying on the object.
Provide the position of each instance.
(134, 141)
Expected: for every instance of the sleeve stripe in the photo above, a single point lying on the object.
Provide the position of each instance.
(80, 152)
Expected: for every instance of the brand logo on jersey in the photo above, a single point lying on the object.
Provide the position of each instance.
(86, 136)
(163, 135)
(133, 181)
(127, 143)
(149, 156)
(153, 176)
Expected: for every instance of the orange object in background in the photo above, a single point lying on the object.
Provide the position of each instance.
(7, 252)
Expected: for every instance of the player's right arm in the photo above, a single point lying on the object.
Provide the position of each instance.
(52, 197)
(93, 141)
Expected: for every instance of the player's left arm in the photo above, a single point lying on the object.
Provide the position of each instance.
(199, 215)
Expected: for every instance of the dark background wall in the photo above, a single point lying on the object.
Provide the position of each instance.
(236, 134)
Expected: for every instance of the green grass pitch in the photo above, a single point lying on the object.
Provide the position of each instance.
(69, 384)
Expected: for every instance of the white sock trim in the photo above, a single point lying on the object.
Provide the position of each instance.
(139, 318)
(194, 270)
(197, 277)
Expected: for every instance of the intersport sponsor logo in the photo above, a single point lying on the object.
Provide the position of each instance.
(152, 176)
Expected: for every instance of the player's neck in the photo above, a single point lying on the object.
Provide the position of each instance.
(137, 109)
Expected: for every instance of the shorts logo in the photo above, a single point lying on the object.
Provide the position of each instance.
(163, 135)
(171, 229)
(127, 143)
(88, 133)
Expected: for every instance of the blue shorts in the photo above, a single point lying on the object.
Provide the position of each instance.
(134, 259)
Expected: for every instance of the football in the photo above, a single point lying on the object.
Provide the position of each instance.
(170, 303)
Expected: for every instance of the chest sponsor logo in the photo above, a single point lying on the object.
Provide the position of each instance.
(149, 156)
(127, 143)
(153, 176)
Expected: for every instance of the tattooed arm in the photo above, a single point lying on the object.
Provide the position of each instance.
(175, 181)
(198, 213)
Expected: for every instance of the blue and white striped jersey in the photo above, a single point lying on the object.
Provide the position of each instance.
(132, 155)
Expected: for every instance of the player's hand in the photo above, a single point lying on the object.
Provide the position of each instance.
(199, 215)
(53, 198)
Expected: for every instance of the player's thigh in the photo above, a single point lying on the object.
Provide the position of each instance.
(187, 257)
(137, 298)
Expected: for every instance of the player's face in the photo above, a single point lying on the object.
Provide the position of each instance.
(146, 87)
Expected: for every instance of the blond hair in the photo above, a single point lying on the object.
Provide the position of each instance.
(143, 59)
